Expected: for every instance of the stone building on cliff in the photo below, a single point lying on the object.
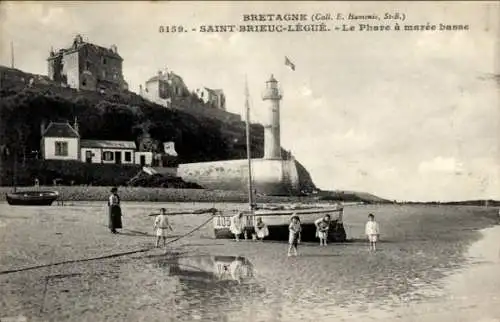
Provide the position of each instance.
(87, 66)
(164, 87)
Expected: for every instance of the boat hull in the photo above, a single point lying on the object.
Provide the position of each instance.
(31, 198)
(277, 223)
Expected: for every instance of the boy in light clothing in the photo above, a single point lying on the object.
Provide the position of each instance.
(161, 225)
(294, 235)
(372, 232)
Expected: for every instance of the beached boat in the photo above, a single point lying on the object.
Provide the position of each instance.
(32, 198)
(277, 222)
(277, 218)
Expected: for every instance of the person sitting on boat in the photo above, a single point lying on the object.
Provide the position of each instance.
(322, 226)
(261, 230)
(237, 225)
(115, 211)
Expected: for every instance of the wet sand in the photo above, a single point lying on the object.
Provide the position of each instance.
(422, 271)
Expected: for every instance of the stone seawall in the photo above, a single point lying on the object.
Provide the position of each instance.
(271, 177)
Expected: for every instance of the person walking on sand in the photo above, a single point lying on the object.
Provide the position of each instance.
(322, 226)
(294, 235)
(114, 211)
(372, 232)
(161, 225)
(237, 225)
(261, 230)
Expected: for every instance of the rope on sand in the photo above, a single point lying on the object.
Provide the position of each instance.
(143, 250)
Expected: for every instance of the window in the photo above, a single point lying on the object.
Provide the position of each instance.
(61, 148)
(88, 156)
(128, 156)
(84, 83)
(107, 156)
(104, 60)
(87, 65)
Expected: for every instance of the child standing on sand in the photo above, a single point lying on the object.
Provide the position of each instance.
(372, 232)
(161, 225)
(322, 226)
(294, 235)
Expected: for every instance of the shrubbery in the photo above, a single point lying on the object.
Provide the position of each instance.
(70, 172)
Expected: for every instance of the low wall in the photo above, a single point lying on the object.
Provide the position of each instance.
(270, 177)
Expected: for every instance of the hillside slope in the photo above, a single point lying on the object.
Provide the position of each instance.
(26, 100)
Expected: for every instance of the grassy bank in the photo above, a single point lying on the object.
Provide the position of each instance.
(97, 193)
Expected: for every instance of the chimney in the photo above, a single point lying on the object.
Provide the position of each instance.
(75, 126)
(140, 90)
(42, 127)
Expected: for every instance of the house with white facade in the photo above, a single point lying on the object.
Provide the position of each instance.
(60, 141)
(106, 151)
(212, 97)
(164, 87)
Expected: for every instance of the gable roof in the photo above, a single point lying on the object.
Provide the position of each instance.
(60, 130)
(107, 144)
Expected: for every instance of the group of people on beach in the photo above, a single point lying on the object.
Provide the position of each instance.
(237, 226)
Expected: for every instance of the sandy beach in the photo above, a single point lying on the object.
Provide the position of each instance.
(433, 264)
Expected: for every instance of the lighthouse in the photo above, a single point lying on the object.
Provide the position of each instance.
(272, 146)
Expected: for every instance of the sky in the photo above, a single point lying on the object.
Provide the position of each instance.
(403, 115)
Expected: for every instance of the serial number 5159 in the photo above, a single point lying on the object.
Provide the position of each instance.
(171, 29)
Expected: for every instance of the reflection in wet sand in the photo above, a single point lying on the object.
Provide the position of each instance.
(210, 287)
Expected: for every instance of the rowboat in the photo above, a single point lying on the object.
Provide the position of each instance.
(277, 218)
(31, 198)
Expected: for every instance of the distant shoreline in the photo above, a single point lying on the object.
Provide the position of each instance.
(149, 194)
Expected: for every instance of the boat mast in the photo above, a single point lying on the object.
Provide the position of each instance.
(249, 157)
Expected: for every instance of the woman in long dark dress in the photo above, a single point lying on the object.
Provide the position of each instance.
(115, 211)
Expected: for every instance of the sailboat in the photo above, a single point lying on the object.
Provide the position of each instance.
(277, 218)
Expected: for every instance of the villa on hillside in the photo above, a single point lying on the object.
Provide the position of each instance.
(163, 87)
(87, 66)
(61, 141)
(212, 97)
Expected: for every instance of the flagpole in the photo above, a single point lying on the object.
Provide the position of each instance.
(11, 54)
(249, 156)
